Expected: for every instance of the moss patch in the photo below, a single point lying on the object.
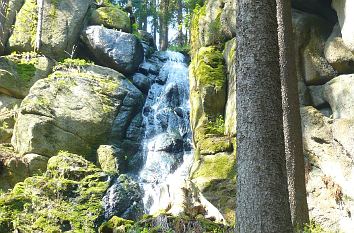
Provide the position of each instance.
(67, 197)
(111, 17)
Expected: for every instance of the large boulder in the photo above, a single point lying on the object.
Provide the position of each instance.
(18, 72)
(7, 19)
(62, 23)
(345, 16)
(339, 93)
(74, 109)
(328, 148)
(311, 33)
(118, 50)
(111, 17)
(68, 197)
(337, 54)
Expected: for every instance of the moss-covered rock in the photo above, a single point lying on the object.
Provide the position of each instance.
(75, 109)
(7, 20)
(215, 176)
(18, 72)
(62, 23)
(111, 17)
(66, 198)
(8, 111)
(116, 224)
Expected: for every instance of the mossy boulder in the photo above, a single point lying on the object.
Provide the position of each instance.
(62, 23)
(208, 86)
(18, 72)
(8, 111)
(215, 177)
(68, 197)
(111, 17)
(116, 224)
(75, 109)
(7, 20)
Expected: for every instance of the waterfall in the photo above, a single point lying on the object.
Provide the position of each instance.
(167, 145)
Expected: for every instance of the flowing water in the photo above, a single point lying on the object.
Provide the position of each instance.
(167, 146)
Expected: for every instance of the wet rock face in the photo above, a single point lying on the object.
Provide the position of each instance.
(124, 199)
(117, 50)
(74, 110)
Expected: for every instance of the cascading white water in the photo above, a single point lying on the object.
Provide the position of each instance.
(167, 142)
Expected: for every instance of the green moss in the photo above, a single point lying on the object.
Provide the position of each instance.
(198, 14)
(221, 165)
(114, 223)
(216, 126)
(111, 17)
(213, 145)
(209, 67)
(24, 33)
(313, 227)
(25, 64)
(67, 197)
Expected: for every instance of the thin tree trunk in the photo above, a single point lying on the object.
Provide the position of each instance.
(154, 19)
(262, 194)
(163, 22)
(180, 22)
(144, 14)
(3, 9)
(291, 117)
(40, 4)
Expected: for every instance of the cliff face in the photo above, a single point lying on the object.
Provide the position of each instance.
(324, 60)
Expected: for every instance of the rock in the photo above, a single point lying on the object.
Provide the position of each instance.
(209, 85)
(329, 169)
(8, 111)
(230, 108)
(311, 33)
(172, 143)
(142, 82)
(117, 50)
(339, 93)
(345, 17)
(214, 145)
(317, 97)
(37, 164)
(108, 157)
(72, 187)
(111, 17)
(218, 186)
(149, 68)
(12, 168)
(337, 54)
(214, 23)
(148, 43)
(62, 24)
(75, 109)
(7, 21)
(18, 72)
(124, 199)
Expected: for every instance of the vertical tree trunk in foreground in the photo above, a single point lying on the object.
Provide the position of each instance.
(40, 4)
(262, 194)
(163, 23)
(291, 117)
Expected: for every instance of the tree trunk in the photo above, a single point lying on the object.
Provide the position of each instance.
(180, 23)
(3, 9)
(262, 194)
(291, 117)
(144, 14)
(40, 4)
(154, 19)
(163, 19)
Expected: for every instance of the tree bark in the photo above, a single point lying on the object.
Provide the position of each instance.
(180, 23)
(3, 9)
(262, 194)
(154, 19)
(291, 117)
(40, 4)
(163, 19)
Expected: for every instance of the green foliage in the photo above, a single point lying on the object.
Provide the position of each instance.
(25, 64)
(313, 227)
(182, 49)
(216, 125)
